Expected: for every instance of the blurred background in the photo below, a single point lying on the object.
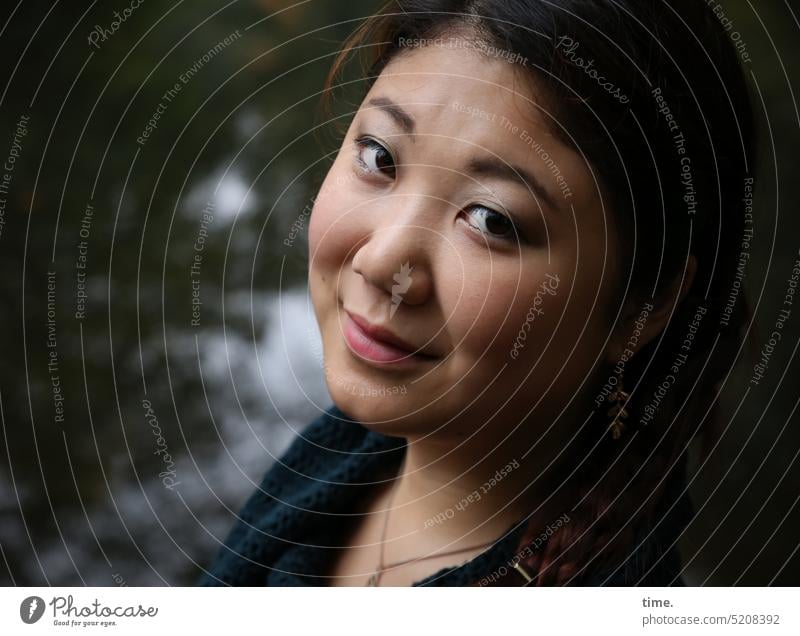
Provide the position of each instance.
(158, 343)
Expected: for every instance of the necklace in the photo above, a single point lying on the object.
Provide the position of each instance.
(374, 579)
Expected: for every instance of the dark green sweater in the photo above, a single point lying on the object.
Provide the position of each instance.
(288, 530)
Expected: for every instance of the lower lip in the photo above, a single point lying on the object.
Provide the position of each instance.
(375, 351)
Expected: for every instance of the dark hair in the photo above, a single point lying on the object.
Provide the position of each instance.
(666, 123)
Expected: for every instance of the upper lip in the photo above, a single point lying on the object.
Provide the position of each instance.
(383, 334)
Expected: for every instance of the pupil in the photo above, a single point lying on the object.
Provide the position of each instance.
(383, 159)
(496, 223)
(384, 162)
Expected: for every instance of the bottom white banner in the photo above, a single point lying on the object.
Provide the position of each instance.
(137, 610)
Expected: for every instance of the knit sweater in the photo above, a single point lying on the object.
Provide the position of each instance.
(289, 529)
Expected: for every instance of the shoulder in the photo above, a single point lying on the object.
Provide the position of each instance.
(329, 437)
(307, 461)
(331, 452)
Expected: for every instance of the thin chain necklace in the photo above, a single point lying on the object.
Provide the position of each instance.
(375, 578)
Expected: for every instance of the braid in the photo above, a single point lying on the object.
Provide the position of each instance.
(605, 522)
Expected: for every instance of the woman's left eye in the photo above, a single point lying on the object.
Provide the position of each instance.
(492, 223)
(373, 158)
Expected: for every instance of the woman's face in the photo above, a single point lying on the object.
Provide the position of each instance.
(499, 282)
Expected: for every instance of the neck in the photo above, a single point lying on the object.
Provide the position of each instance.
(457, 493)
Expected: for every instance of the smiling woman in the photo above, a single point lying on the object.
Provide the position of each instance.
(505, 237)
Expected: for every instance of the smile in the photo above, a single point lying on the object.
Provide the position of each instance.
(369, 346)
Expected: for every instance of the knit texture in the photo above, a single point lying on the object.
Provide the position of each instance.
(289, 529)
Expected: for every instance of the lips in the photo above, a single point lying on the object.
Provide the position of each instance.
(378, 344)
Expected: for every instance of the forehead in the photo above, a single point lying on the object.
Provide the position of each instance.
(452, 86)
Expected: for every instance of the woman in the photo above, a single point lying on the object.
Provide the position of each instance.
(521, 265)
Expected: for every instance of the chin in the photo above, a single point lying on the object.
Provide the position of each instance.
(395, 415)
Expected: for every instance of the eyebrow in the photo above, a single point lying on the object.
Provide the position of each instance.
(403, 119)
(491, 167)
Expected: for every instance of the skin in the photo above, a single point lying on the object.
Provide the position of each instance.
(474, 408)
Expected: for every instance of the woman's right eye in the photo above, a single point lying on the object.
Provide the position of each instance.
(373, 158)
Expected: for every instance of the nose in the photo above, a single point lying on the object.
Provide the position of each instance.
(396, 258)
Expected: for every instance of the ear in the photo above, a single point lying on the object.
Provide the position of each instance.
(647, 319)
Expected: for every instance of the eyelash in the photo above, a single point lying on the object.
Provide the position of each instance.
(369, 143)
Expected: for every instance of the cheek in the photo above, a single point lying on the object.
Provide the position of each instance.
(510, 311)
(323, 251)
(560, 325)
(336, 225)
(487, 300)
(328, 233)
(318, 225)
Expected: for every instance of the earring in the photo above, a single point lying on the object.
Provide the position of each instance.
(618, 411)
